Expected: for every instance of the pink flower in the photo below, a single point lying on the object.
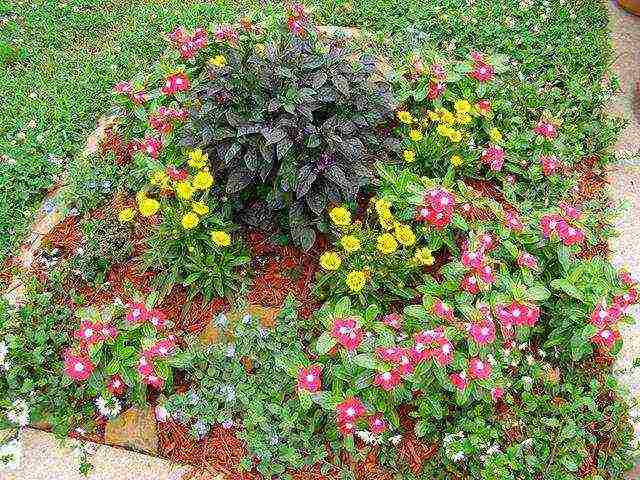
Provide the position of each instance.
(176, 174)
(226, 33)
(469, 284)
(487, 241)
(176, 82)
(482, 72)
(406, 366)
(443, 310)
(88, 333)
(438, 71)
(154, 381)
(309, 378)
(626, 299)
(390, 354)
(444, 353)
(151, 146)
(179, 35)
(162, 348)
(513, 222)
(108, 331)
(517, 314)
(484, 106)
(77, 367)
(144, 367)
(472, 259)
(477, 57)
(347, 332)
(387, 380)
(346, 428)
(483, 333)
(139, 97)
(625, 277)
(496, 393)
(479, 369)
(606, 337)
(549, 164)
(546, 129)
(440, 200)
(493, 156)
(350, 410)
(425, 342)
(377, 424)
(157, 318)
(459, 380)
(569, 234)
(549, 224)
(116, 385)
(123, 87)
(487, 275)
(393, 320)
(137, 313)
(605, 317)
(525, 259)
(435, 90)
(570, 212)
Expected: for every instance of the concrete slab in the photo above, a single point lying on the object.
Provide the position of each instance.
(44, 459)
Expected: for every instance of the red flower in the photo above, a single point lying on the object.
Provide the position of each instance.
(347, 332)
(176, 82)
(390, 354)
(393, 320)
(309, 378)
(78, 368)
(525, 259)
(517, 314)
(444, 353)
(162, 348)
(406, 366)
(459, 380)
(487, 241)
(483, 332)
(116, 385)
(479, 369)
(606, 337)
(493, 156)
(157, 318)
(435, 90)
(549, 164)
(176, 173)
(387, 380)
(470, 284)
(496, 393)
(137, 313)
(482, 72)
(88, 333)
(440, 200)
(487, 275)
(377, 424)
(546, 129)
(484, 106)
(346, 428)
(151, 146)
(144, 367)
(350, 410)
(443, 310)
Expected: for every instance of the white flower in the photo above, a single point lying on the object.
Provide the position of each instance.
(3, 351)
(108, 408)
(161, 413)
(457, 457)
(366, 437)
(530, 359)
(19, 413)
(10, 455)
(495, 448)
(527, 443)
(396, 440)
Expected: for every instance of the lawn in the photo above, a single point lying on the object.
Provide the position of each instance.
(60, 60)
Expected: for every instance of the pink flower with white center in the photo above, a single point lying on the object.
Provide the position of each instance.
(157, 318)
(444, 353)
(483, 333)
(347, 332)
(606, 338)
(605, 317)
(532, 315)
(525, 259)
(472, 259)
(517, 314)
(479, 369)
(549, 224)
(116, 385)
(459, 380)
(626, 299)
(625, 277)
(154, 381)
(549, 164)
(482, 72)
(497, 393)
(144, 367)
(137, 313)
(439, 220)
(309, 378)
(123, 88)
(77, 367)
(487, 241)
(139, 97)
(493, 156)
(346, 428)
(484, 107)
(487, 275)
(440, 200)
(423, 342)
(350, 410)
(162, 348)
(108, 331)
(470, 284)
(570, 235)
(406, 365)
(435, 90)
(443, 310)
(390, 354)
(546, 129)
(512, 221)
(387, 380)
(393, 320)
(175, 83)
(377, 424)
(88, 333)
(571, 212)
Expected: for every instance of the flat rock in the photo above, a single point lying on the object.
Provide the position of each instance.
(135, 429)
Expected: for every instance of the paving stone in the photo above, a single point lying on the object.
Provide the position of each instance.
(135, 428)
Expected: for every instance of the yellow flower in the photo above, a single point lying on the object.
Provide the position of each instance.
(260, 48)
(203, 180)
(495, 135)
(416, 135)
(409, 156)
(443, 130)
(190, 220)
(387, 243)
(350, 243)
(405, 235)
(456, 160)
(455, 135)
(221, 238)
(447, 117)
(197, 159)
(218, 61)
(340, 216)
(126, 215)
(463, 118)
(435, 116)
(148, 207)
(462, 106)
(140, 196)
(330, 261)
(159, 177)
(405, 117)
(424, 257)
(355, 280)
(184, 190)
(200, 208)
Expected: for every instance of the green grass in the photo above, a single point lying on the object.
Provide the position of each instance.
(59, 60)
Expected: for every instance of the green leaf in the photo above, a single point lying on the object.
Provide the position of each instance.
(366, 360)
(538, 293)
(567, 287)
(325, 343)
(371, 313)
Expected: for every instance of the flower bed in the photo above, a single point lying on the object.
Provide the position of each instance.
(322, 271)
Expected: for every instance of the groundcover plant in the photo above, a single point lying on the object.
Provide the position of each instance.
(450, 313)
